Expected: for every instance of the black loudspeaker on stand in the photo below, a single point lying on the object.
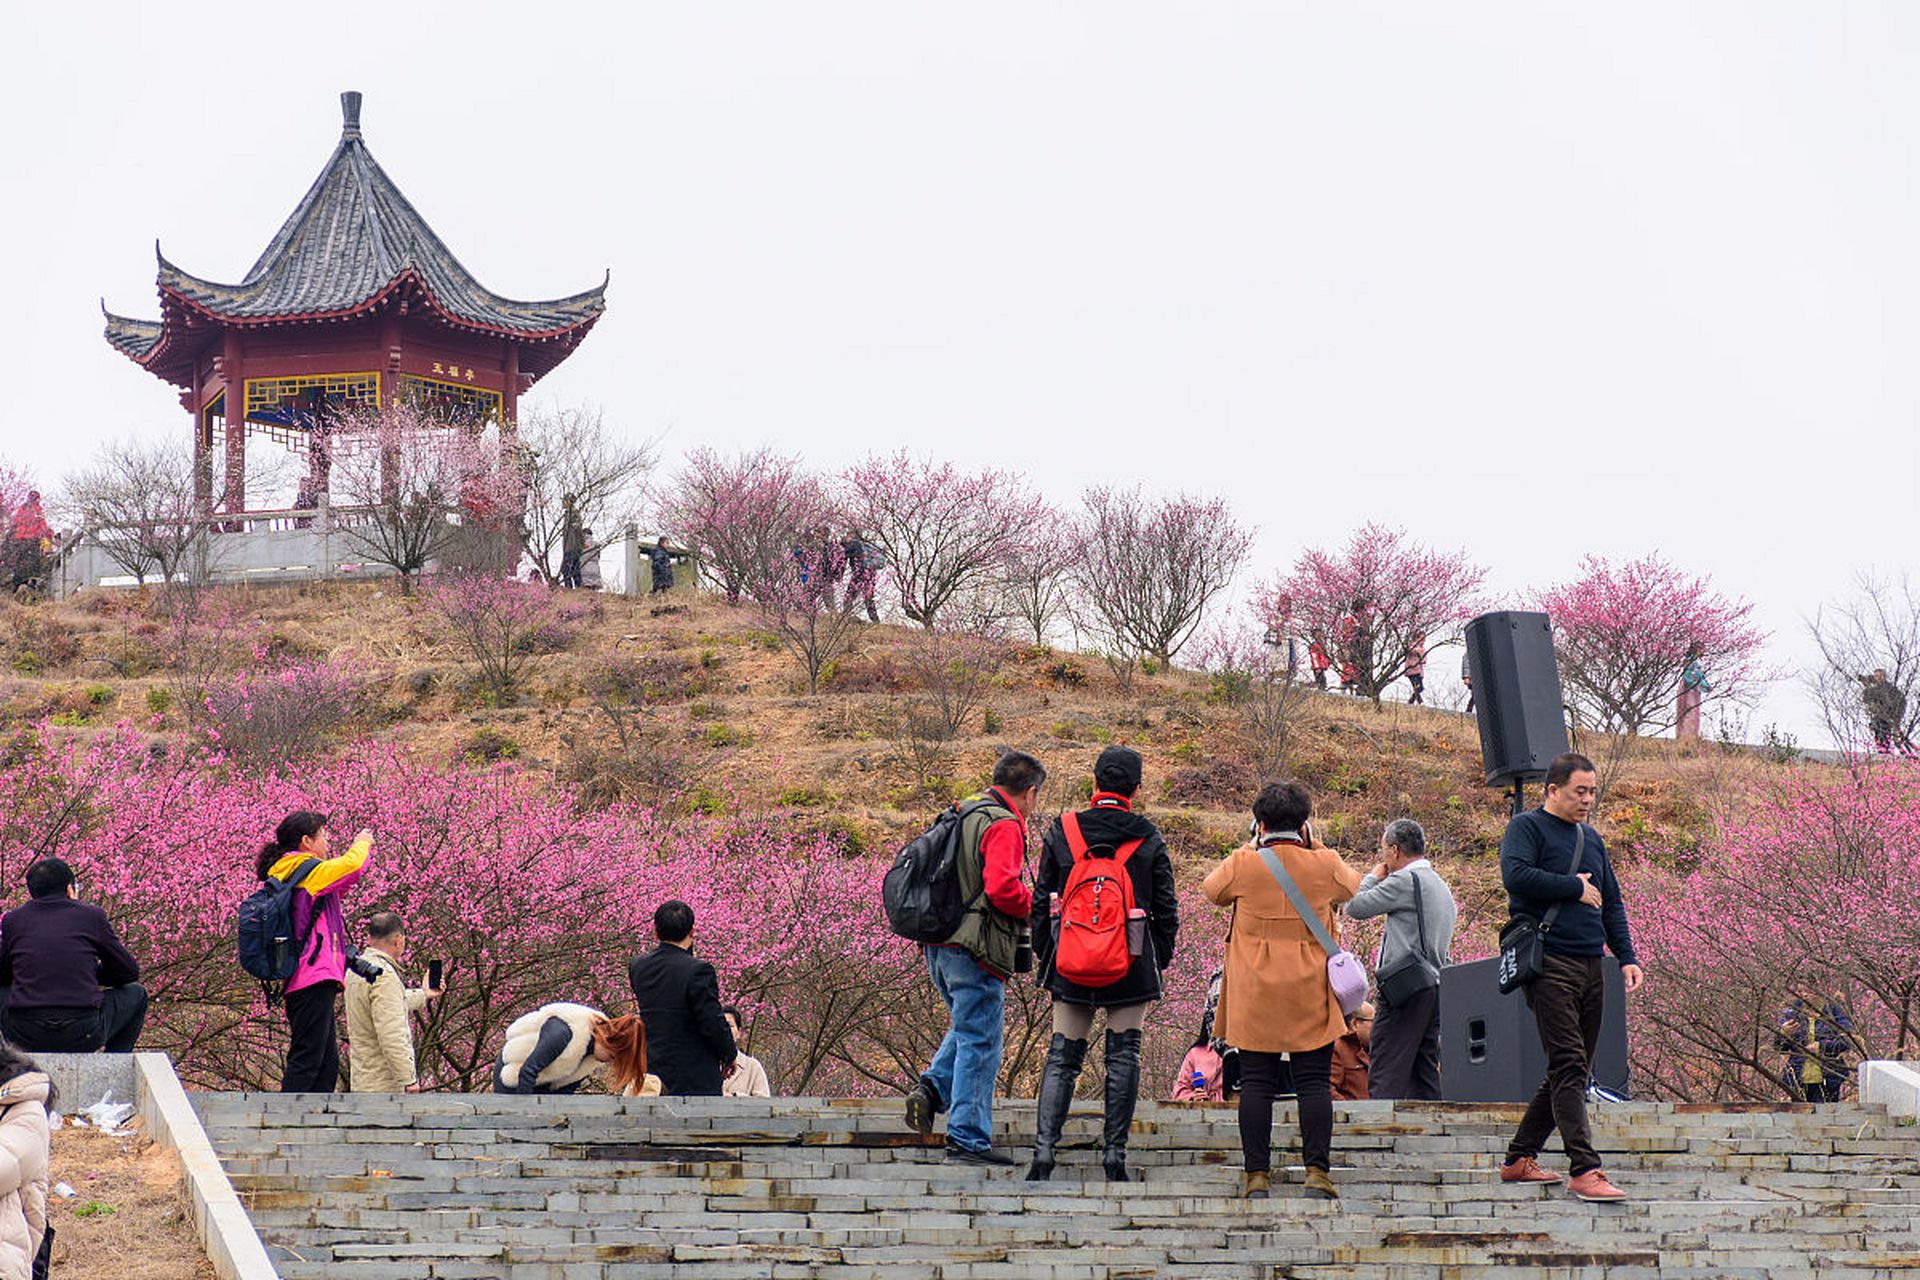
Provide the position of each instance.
(1516, 695)
(1490, 1049)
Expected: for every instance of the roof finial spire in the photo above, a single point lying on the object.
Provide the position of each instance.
(350, 114)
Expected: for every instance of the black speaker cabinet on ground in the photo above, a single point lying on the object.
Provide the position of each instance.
(1489, 1048)
(1516, 695)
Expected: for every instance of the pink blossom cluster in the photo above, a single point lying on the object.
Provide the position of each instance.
(279, 711)
(1805, 891)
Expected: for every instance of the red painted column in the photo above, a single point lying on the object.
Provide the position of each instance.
(510, 386)
(234, 496)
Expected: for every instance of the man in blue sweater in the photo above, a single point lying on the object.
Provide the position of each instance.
(1536, 865)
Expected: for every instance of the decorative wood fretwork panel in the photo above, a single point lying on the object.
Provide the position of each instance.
(283, 408)
(456, 402)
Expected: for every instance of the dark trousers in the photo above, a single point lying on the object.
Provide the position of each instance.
(1406, 1049)
(1566, 1000)
(114, 1026)
(1419, 684)
(313, 1053)
(1259, 1080)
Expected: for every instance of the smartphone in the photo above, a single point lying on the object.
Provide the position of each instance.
(435, 971)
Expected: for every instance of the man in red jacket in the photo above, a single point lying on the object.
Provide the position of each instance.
(970, 968)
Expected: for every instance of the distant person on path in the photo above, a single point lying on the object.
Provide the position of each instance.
(313, 1049)
(1276, 998)
(1101, 832)
(1420, 912)
(1349, 679)
(29, 541)
(864, 562)
(1817, 1047)
(559, 1047)
(1694, 685)
(1318, 662)
(27, 1098)
(749, 1077)
(969, 970)
(679, 999)
(590, 579)
(660, 565)
(379, 1031)
(573, 542)
(1347, 1075)
(1886, 705)
(1466, 678)
(1417, 670)
(1538, 866)
(67, 982)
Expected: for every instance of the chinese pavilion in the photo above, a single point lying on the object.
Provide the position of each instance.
(355, 303)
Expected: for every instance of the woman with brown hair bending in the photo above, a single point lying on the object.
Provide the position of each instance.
(1276, 998)
(558, 1047)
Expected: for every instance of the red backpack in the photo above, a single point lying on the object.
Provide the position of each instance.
(1091, 949)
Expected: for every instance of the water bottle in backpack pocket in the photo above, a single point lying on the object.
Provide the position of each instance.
(1095, 944)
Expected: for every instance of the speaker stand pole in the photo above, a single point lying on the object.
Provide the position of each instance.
(1519, 797)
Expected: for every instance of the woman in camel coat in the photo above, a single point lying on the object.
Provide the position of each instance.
(1275, 998)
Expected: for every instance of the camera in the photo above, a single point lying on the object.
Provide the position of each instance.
(365, 969)
(1023, 951)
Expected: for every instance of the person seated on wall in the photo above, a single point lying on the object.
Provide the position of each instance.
(67, 982)
(559, 1047)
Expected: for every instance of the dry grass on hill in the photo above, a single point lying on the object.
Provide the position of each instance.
(728, 726)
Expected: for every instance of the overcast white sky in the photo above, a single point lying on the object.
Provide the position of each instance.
(1530, 279)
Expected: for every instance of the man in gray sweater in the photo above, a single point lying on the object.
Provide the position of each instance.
(1406, 1035)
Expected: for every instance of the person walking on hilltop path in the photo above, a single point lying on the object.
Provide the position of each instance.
(1416, 667)
(573, 542)
(970, 968)
(313, 1049)
(1420, 912)
(1106, 832)
(1886, 706)
(1694, 686)
(1554, 865)
(1276, 997)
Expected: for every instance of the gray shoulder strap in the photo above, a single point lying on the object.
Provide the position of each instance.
(1299, 900)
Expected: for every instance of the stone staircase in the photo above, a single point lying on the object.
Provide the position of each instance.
(484, 1187)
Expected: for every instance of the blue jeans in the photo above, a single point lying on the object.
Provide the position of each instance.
(964, 1070)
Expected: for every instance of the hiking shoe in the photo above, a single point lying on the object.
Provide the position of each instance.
(1320, 1186)
(920, 1109)
(1593, 1187)
(967, 1155)
(1254, 1186)
(1526, 1169)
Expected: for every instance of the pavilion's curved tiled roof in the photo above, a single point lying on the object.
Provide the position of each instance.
(353, 243)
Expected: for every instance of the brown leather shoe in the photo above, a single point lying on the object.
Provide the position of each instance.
(1320, 1186)
(1526, 1169)
(1593, 1187)
(1254, 1186)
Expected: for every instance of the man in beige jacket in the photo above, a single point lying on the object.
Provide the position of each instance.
(379, 1034)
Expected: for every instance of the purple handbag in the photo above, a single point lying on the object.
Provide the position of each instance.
(1345, 974)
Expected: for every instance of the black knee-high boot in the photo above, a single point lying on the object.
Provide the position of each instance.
(1057, 1079)
(1123, 1089)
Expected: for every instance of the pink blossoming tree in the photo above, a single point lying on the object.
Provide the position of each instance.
(742, 514)
(1371, 601)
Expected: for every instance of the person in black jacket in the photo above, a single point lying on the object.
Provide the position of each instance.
(1537, 866)
(689, 1045)
(67, 982)
(1107, 824)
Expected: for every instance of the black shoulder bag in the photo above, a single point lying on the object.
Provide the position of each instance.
(1415, 975)
(1521, 954)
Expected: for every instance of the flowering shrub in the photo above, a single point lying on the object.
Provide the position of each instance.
(1805, 892)
(500, 624)
(279, 712)
(525, 895)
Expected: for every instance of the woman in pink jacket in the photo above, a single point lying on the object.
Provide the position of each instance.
(313, 1051)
